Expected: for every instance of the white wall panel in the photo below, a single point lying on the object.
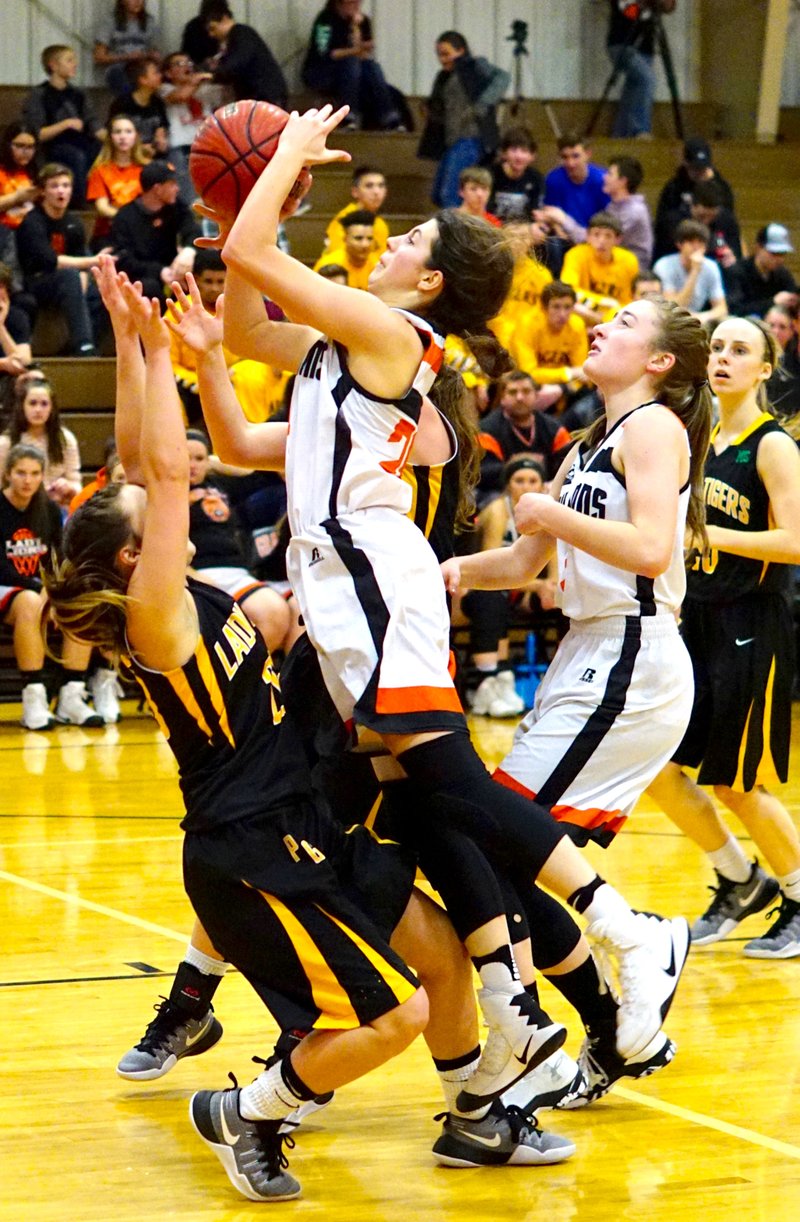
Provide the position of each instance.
(566, 44)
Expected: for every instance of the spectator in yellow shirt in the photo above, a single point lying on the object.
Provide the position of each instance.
(369, 194)
(356, 255)
(550, 343)
(530, 277)
(601, 272)
(258, 388)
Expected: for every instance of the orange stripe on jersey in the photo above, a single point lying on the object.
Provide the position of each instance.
(611, 819)
(212, 687)
(417, 700)
(491, 445)
(452, 665)
(248, 589)
(180, 685)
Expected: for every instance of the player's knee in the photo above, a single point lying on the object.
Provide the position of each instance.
(401, 1026)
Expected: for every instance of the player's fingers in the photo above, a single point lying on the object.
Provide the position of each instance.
(183, 300)
(210, 243)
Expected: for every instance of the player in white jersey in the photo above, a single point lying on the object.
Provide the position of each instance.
(367, 581)
(616, 700)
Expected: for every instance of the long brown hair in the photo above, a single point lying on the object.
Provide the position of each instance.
(139, 156)
(684, 390)
(477, 265)
(772, 355)
(18, 423)
(83, 586)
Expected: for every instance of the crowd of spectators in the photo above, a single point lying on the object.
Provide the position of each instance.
(585, 242)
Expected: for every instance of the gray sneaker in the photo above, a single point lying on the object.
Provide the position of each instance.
(171, 1035)
(504, 1137)
(251, 1151)
(733, 902)
(782, 939)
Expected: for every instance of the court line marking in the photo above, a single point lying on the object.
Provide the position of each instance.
(57, 844)
(77, 902)
(709, 1122)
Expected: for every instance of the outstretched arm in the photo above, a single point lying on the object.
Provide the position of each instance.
(235, 439)
(778, 464)
(130, 367)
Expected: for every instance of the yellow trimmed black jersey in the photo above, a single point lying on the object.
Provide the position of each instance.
(736, 499)
(435, 504)
(223, 717)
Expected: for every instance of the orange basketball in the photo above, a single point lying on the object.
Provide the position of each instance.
(232, 149)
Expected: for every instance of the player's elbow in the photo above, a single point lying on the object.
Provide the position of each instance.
(655, 560)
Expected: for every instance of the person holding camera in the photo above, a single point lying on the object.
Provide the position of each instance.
(631, 44)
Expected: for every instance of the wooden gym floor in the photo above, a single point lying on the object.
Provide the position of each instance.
(94, 921)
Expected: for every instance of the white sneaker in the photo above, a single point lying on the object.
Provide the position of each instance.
(105, 696)
(507, 702)
(520, 1037)
(555, 1083)
(649, 953)
(72, 709)
(36, 713)
(482, 697)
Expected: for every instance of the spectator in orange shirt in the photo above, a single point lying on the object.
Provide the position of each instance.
(115, 178)
(18, 187)
(474, 188)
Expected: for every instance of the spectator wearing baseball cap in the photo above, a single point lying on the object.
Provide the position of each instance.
(675, 201)
(763, 280)
(153, 235)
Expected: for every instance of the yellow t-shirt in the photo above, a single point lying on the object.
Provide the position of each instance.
(544, 353)
(334, 234)
(357, 277)
(593, 280)
(530, 277)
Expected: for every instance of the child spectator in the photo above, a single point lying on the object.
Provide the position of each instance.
(340, 64)
(153, 235)
(15, 330)
(576, 186)
(186, 113)
(18, 187)
(115, 177)
(333, 271)
(600, 271)
(621, 184)
(51, 247)
(369, 194)
(244, 62)
(357, 255)
(530, 277)
(782, 322)
(130, 35)
(725, 245)
(689, 278)
(517, 187)
(143, 104)
(35, 422)
(30, 530)
(461, 127)
(763, 280)
(474, 189)
(550, 342)
(56, 110)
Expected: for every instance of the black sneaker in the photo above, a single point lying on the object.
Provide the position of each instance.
(251, 1151)
(602, 1065)
(733, 902)
(782, 939)
(504, 1137)
(171, 1035)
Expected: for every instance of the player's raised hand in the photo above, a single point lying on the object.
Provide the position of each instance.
(188, 318)
(222, 222)
(306, 135)
(109, 283)
(146, 314)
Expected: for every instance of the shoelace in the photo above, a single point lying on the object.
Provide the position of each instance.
(721, 893)
(786, 911)
(522, 1124)
(161, 1028)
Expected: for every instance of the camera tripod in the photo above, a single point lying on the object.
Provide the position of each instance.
(519, 37)
(663, 49)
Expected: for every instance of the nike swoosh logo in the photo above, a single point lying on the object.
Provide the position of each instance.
(197, 1036)
(672, 969)
(486, 1141)
(745, 900)
(226, 1133)
(749, 641)
(523, 1060)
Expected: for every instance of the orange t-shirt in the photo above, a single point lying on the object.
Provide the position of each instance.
(119, 184)
(10, 181)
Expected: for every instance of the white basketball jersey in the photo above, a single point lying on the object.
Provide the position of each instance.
(589, 587)
(346, 447)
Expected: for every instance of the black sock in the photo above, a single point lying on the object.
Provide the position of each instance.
(32, 676)
(533, 991)
(294, 1082)
(582, 898)
(192, 990)
(448, 1066)
(582, 989)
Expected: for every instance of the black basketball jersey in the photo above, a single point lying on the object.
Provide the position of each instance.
(736, 499)
(222, 714)
(435, 504)
(213, 529)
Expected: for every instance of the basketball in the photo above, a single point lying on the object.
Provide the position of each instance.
(232, 149)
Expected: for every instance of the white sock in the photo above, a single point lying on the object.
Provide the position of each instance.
(730, 861)
(269, 1097)
(607, 904)
(205, 963)
(790, 885)
(452, 1081)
